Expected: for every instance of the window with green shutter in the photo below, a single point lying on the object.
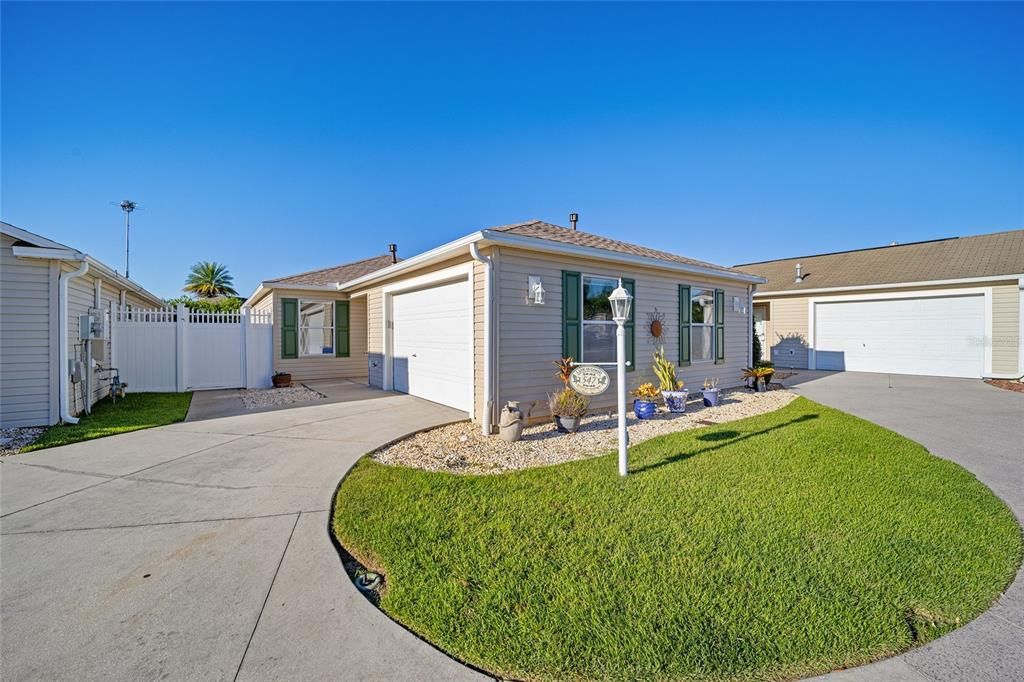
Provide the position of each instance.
(684, 324)
(630, 286)
(289, 328)
(719, 326)
(342, 348)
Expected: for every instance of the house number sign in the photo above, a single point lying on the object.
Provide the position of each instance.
(589, 380)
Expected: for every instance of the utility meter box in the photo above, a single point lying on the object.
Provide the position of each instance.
(91, 327)
(85, 323)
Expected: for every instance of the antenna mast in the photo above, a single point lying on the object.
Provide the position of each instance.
(127, 206)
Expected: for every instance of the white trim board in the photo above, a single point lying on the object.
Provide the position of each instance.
(905, 295)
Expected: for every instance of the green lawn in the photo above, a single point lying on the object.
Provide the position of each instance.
(787, 544)
(133, 412)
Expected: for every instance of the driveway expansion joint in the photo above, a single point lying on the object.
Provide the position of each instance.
(270, 589)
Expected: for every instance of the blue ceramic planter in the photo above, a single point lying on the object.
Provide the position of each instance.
(644, 409)
(675, 401)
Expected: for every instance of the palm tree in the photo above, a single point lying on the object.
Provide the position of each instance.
(208, 280)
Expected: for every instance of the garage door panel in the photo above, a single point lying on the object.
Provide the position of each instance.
(931, 336)
(432, 344)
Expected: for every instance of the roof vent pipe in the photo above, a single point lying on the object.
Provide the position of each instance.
(799, 274)
(573, 217)
(393, 248)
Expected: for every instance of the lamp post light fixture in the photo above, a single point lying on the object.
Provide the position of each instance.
(621, 302)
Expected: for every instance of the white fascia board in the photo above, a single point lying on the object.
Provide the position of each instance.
(266, 288)
(436, 254)
(26, 236)
(94, 265)
(893, 285)
(47, 253)
(548, 246)
(112, 274)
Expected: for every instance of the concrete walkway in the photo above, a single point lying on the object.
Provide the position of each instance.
(200, 551)
(981, 428)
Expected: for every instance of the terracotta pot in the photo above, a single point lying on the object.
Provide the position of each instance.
(282, 380)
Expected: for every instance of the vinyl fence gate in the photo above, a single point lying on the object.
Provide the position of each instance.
(175, 349)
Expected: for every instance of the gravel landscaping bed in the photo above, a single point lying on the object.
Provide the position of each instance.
(270, 397)
(461, 448)
(14, 439)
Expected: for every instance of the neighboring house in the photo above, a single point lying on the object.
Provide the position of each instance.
(460, 324)
(948, 307)
(44, 287)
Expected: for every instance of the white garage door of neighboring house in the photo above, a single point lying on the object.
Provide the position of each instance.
(940, 336)
(432, 344)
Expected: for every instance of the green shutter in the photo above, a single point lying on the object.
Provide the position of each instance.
(630, 286)
(684, 325)
(572, 315)
(719, 326)
(289, 328)
(342, 349)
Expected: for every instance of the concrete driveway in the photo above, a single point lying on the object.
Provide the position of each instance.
(981, 428)
(200, 550)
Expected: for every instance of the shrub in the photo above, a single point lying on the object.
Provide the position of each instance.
(568, 403)
(218, 305)
(665, 370)
(757, 351)
(645, 391)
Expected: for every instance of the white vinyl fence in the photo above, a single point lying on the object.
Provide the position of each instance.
(176, 350)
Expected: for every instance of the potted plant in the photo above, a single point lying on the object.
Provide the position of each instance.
(281, 379)
(767, 372)
(750, 377)
(762, 376)
(710, 392)
(644, 396)
(568, 409)
(672, 391)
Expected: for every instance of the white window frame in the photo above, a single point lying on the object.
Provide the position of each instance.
(330, 326)
(694, 288)
(584, 322)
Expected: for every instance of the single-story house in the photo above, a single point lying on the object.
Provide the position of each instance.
(479, 321)
(44, 287)
(947, 307)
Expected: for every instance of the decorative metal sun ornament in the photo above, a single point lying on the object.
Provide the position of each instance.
(655, 324)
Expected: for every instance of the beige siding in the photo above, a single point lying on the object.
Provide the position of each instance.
(264, 305)
(320, 367)
(82, 300)
(787, 326)
(1006, 329)
(788, 336)
(374, 298)
(531, 335)
(26, 289)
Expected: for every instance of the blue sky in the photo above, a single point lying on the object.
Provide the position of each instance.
(279, 138)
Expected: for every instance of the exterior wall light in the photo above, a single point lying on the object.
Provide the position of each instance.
(536, 290)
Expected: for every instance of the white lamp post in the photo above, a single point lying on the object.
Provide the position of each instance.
(621, 302)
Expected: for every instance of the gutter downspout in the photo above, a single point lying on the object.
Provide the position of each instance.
(474, 251)
(62, 326)
(751, 288)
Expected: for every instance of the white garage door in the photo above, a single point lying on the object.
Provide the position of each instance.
(932, 336)
(432, 344)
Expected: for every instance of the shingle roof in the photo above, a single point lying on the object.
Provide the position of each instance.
(333, 275)
(538, 229)
(1000, 253)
